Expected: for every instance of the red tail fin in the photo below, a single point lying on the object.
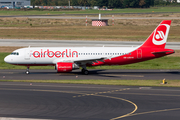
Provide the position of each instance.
(159, 36)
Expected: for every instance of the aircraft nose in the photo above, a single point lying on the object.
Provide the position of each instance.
(7, 59)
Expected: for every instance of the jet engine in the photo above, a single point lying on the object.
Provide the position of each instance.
(66, 67)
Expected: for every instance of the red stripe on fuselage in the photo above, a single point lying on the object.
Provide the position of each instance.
(134, 57)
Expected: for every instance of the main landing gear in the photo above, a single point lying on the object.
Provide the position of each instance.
(27, 70)
(84, 70)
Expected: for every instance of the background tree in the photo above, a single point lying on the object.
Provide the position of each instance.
(159, 2)
(141, 3)
(74, 2)
(102, 3)
(115, 3)
(107, 3)
(92, 2)
(131, 3)
(56, 3)
(82, 2)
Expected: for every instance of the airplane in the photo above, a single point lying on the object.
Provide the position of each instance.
(66, 59)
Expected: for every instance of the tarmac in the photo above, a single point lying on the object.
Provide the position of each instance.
(100, 74)
(41, 101)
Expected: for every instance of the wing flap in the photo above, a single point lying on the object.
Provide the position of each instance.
(90, 60)
(81, 60)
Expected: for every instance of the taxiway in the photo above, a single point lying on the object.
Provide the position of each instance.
(40, 101)
(101, 74)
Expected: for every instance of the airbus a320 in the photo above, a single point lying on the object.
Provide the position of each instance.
(66, 59)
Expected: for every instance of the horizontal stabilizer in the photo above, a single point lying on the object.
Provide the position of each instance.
(161, 52)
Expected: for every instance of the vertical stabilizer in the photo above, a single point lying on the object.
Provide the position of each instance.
(159, 36)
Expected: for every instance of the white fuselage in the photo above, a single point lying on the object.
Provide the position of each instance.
(52, 55)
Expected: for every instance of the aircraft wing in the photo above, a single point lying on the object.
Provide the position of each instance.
(89, 60)
(82, 60)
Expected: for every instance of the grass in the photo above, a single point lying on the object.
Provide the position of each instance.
(57, 29)
(55, 12)
(170, 83)
(159, 63)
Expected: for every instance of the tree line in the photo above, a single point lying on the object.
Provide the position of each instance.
(103, 3)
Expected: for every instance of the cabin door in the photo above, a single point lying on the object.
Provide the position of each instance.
(139, 53)
(27, 54)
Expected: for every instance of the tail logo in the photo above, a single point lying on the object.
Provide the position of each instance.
(160, 34)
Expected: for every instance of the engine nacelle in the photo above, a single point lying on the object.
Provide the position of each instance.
(66, 67)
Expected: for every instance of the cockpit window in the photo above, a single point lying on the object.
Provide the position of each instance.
(14, 53)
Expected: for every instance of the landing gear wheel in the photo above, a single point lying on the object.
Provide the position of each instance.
(27, 72)
(85, 72)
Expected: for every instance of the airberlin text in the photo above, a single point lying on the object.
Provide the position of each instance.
(48, 53)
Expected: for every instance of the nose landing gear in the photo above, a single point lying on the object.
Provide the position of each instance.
(27, 70)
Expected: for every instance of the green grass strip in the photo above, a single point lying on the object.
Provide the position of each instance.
(54, 12)
(170, 83)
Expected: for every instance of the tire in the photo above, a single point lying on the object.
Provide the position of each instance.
(86, 72)
(27, 72)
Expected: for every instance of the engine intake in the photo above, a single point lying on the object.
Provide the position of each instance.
(66, 67)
